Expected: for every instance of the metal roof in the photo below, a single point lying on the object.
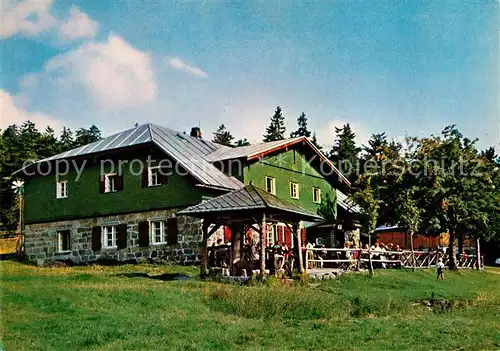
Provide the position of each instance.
(346, 203)
(250, 150)
(248, 198)
(195, 155)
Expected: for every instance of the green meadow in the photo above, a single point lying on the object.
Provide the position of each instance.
(128, 307)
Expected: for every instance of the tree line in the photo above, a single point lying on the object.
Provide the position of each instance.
(433, 184)
(21, 143)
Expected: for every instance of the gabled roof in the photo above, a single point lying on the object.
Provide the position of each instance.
(256, 151)
(190, 152)
(248, 198)
(251, 151)
(193, 154)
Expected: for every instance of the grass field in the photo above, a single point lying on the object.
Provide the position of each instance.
(109, 308)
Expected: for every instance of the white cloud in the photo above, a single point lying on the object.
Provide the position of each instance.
(177, 63)
(30, 17)
(77, 26)
(12, 114)
(113, 73)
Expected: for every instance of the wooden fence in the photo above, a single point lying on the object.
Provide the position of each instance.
(11, 244)
(360, 259)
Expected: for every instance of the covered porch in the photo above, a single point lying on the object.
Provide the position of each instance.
(251, 208)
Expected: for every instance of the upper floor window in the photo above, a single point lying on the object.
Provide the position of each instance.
(271, 185)
(316, 195)
(294, 190)
(63, 241)
(109, 236)
(62, 189)
(110, 183)
(158, 232)
(157, 176)
(153, 176)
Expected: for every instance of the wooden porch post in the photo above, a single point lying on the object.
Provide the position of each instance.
(299, 244)
(204, 249)
(263, 246)
(235, 247)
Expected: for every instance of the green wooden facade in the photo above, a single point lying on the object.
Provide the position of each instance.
(290, 166)
(85, 200)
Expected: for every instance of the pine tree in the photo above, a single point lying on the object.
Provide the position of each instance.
(48, 144)
(87, 136)
(66, 141)
(302, 130)
(241, 142)
(276, 129)
(315, 142)
(344, 152)
(223, 136)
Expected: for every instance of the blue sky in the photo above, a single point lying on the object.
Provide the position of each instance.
(400, 67)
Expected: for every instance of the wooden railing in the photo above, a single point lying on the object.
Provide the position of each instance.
(360, 258)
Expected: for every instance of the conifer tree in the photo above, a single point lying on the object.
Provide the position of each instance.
(242, 142)
(314, 140)
(276, 129)
(344, 152)
(223, 136)
(302, 127)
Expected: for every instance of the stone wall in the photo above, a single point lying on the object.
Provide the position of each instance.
(41, 241)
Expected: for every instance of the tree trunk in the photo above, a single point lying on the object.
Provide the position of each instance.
(460, 244)
(478, 254)
(299, 247)
(452, 257)
(370, 264)
(235, 248)
(413, 261)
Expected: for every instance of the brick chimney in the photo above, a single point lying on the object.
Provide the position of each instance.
(195, 132)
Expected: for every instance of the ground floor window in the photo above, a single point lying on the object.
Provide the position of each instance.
(63, 241)
(159, 232)
(109, 236)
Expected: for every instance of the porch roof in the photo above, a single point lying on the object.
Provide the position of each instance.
(242, 202)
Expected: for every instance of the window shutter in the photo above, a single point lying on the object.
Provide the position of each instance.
(172, 231)
(102, 184)
(163, 175)
(144, 233)
(121, 236)
(288, 237)
(119, 182)
(280, 235)
(145, 177)
(304, 237)
(96, 239)
(227, 234)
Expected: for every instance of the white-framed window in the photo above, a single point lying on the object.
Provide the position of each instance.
(63, 241)
(158, 231)
(110, 183)
(109, 236)
(294, 190)
(316, 195)
(62, 189)
(271, 185)
(270, 233)
(154, 176)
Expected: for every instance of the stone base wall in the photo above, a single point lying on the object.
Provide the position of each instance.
(41, 240)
